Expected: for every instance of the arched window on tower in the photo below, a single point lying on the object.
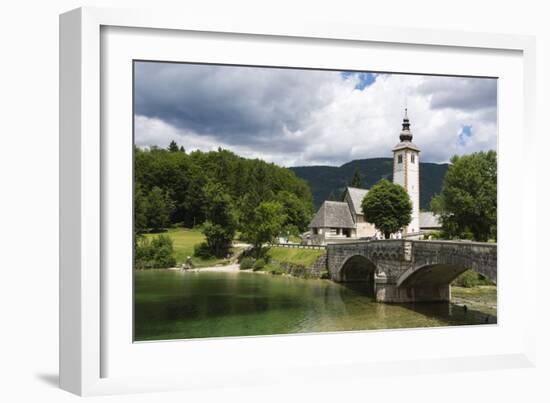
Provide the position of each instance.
(412, 158)
(400, 159)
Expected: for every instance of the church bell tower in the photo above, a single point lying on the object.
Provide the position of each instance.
(406, 172)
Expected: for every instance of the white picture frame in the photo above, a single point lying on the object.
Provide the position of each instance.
(87, 343)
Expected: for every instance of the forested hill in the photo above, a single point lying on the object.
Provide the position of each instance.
(326, 180)
(174, 187)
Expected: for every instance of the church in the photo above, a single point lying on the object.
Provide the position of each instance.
(341, 221)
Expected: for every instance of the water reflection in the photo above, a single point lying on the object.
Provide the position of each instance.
(174, 305)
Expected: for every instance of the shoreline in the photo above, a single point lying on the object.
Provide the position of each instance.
(230, 268)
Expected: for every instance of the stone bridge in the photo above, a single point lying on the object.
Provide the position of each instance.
(409, 271)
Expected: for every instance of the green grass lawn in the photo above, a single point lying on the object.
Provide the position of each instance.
(184, 240)
(304, 257)
(294, 238)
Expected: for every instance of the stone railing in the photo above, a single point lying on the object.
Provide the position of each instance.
(299, 246)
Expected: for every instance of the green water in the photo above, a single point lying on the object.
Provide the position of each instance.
(176, 305)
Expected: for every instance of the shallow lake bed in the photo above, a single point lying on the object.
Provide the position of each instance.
(180, 305)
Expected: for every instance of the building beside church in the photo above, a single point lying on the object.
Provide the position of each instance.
(342, 221)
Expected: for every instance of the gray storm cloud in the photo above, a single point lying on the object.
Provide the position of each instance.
(308, 117)
(460, 93)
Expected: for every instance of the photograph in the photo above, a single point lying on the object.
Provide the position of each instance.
(274, 200)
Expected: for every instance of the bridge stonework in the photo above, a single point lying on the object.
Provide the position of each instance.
(410, 271)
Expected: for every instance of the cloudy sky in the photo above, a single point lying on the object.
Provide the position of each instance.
(308, 117)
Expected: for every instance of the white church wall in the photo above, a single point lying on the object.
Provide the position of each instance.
(365, 229)
(413, 189)
(398, 170)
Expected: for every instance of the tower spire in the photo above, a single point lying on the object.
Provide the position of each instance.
(406, 134)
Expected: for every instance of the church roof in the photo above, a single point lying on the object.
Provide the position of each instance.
(333, 214)
(406, 144)
(406, 136)
(429, 220)
(356, 196)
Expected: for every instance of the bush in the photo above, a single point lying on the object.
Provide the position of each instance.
(433, 235)
(467, 279)
(470, 279)
(259, 264)
(154, 253)
(274, 268)
(202, 250)
(325, 275)
(247, 263)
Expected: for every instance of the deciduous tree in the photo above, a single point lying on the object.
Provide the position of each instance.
(220, 226)
(158, 209)
(265, 225)
(140, 210)
(297, 212)
(467, 204)
(387, 206)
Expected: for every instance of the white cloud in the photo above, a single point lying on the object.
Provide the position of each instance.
(297, 117)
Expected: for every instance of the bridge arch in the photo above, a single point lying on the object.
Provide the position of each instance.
(430, 274)
(356, 268)
(430, 282)
(448, 262)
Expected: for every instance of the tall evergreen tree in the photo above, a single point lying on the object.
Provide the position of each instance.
(332, 196)
(173, 147)
(356, 181)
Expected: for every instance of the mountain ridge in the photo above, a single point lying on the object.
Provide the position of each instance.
(325, 179)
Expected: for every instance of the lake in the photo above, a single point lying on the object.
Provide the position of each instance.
(180, 305)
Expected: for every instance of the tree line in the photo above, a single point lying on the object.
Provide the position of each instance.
(221, 192)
